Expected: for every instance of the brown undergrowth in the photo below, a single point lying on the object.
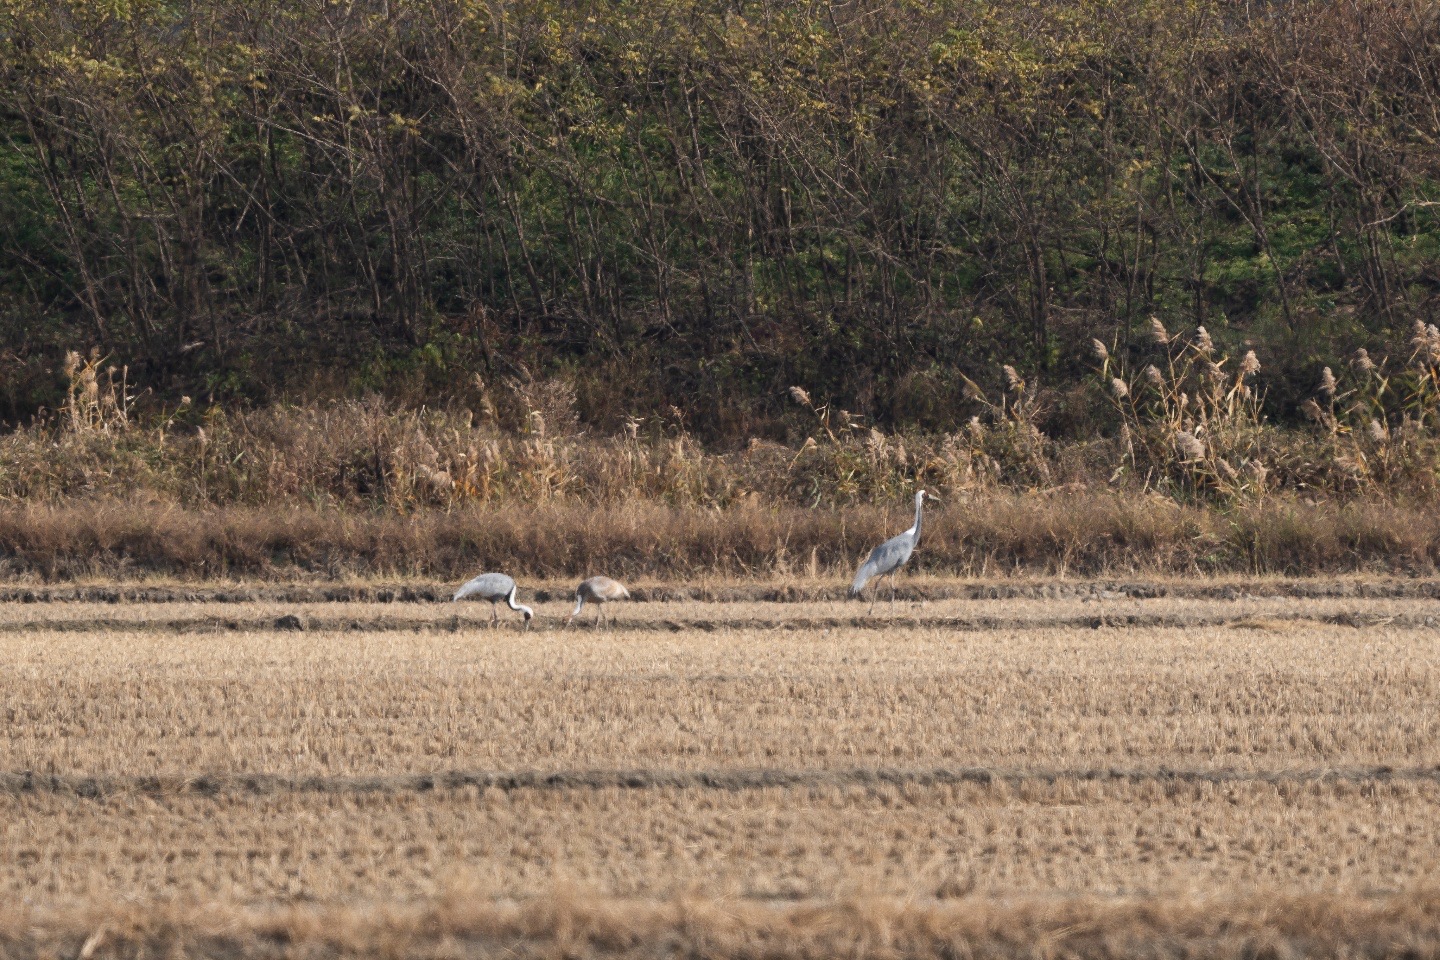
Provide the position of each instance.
(995, 534)
(1195, 480)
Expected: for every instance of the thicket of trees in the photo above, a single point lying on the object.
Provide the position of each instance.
(698, 203)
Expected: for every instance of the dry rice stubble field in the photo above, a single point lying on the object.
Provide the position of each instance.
(961, 749)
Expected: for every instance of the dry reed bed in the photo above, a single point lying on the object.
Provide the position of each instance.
(994, 840)
(1296, 697)
(1220, 925)
(993, 534)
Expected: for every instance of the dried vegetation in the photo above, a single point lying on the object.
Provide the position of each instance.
(999, 534)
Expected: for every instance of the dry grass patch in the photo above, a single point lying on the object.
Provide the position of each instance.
(988, 534)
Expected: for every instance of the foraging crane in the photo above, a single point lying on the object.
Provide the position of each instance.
(599, 591)
(886, 559)
(495, 587)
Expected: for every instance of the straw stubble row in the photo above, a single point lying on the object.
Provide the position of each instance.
(1287, 696)
(774, 844)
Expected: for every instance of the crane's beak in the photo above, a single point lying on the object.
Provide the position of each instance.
(932, 498)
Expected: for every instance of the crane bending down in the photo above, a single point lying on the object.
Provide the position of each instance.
(495, 587)
(886, 559)
(599, 591)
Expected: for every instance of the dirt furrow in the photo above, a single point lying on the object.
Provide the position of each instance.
(963, 624)
(23, 782)
(739, 593)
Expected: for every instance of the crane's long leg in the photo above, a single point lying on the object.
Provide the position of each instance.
(494, 615)
(874, 595)
(892, 593)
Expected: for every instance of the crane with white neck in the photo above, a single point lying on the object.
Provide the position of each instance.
(495, 587)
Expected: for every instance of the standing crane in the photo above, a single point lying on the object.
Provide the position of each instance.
(599, 591)
(887, 559)
(495, 587)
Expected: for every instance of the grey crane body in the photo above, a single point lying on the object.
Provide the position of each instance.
(495, 587)
(599, 591)
(886, 559)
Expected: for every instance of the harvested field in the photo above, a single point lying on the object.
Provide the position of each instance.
(183, 770)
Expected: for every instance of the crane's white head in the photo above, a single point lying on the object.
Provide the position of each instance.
(922, 495)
